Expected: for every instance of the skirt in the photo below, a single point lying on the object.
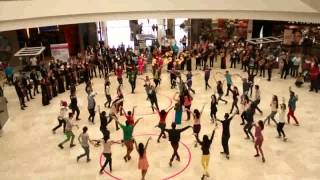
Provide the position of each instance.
(178, 117)
(196, 128)
(143, 163)
(258, 141)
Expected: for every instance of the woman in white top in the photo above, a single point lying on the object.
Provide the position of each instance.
(107, 143)
(62, 117)
(274, 108)
(281, 121)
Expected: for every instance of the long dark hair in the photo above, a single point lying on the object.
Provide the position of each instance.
(141, 150)
(196, 113)
(163, 113)
(205, 140)
(261, 124)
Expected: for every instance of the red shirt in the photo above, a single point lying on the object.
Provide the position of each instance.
(130, 119)
(314, 72)
(187, 101)
(162, 118)
(119, 72)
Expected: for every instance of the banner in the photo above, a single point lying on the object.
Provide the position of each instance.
(60, 51)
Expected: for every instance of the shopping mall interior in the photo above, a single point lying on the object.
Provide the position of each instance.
(159, 90)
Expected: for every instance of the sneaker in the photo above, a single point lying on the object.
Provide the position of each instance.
(227, 156)
(222, 153)
(78, 158)
(263, 159)
(170, 163)
(125, 159)
(72, 145)
(285, 139)
(60, 146)
(101, 172)
(202, 178)
(88, 160)
(53, 132)
(257, 155)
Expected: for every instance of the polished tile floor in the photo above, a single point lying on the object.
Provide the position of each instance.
(29, 149)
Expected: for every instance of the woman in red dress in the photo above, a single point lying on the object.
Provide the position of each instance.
(259, 139)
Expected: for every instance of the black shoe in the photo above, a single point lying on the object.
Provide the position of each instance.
(78, 158)
(72, 145)
(60, 146)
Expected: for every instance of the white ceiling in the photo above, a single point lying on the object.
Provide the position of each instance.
(34, 13)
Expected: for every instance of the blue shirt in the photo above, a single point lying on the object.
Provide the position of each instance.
(228, 78)
(292, 102)
(9, 71)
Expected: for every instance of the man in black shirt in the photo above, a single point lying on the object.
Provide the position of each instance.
(226, 133)
(103, 123)
(174, 138)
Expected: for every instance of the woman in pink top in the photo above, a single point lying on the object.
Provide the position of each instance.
(259, 139)
(143, 164)
(140, 65)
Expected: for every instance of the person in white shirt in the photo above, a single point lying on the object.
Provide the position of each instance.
(274, 109)
(34, 61)
(296, 65)
(62, 117)
(84, 140)
(282, 120)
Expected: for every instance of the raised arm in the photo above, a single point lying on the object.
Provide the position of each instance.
(170, 109)
(202, 109)
(213, 131)
(185, 128)
(137, 121)
(147, 143)
(134, 107)
(135, 144)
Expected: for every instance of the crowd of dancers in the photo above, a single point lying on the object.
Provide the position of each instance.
(249, 101)
(58, 77)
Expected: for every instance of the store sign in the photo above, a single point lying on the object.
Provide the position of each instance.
(60, 51)
(287, 37)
